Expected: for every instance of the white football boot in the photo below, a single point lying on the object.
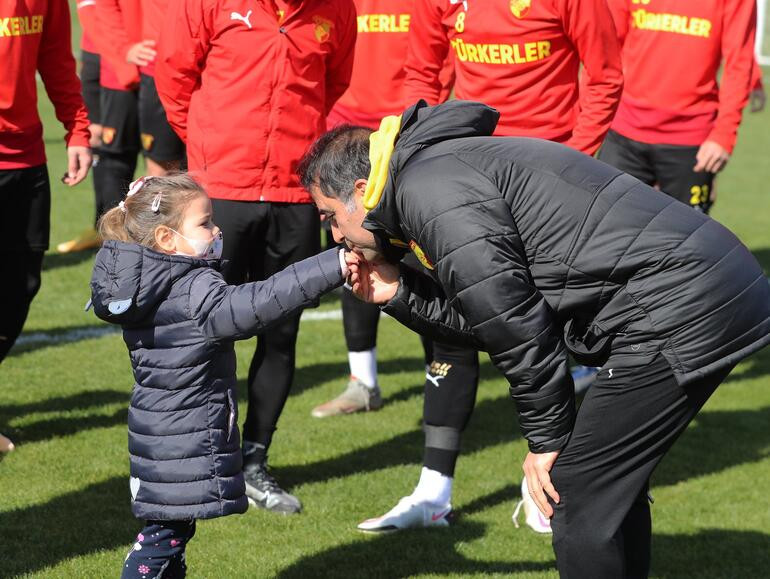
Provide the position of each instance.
(409, 513)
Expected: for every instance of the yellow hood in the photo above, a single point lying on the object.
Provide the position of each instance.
(381, 145)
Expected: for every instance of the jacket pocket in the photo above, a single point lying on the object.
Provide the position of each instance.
(588, 344)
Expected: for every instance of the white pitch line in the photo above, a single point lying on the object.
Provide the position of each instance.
(43, 338)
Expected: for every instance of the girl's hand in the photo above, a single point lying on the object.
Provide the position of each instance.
(373, 282)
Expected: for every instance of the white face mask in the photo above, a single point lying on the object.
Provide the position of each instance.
(211, 249)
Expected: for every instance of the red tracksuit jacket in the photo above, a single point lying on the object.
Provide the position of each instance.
(88, 25)
(377, 84)
(247, 85)
(523, 57)
(119, 27)
(672, 50)
(35, 36)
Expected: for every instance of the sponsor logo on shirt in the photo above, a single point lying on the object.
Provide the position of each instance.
(665, 22)
(383, 22)
(21, 25)
(323, 28)
(520, 8)
(501, 53)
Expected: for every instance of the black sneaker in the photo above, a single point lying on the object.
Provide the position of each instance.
(263, 491)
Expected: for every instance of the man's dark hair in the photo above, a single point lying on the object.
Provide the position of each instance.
(336, 160)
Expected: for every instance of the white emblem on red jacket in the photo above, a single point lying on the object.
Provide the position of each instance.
(244, 19)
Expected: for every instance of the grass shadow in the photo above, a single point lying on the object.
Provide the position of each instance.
(63, 426)
(756, 366)
(742, 436)
(492, 424)
(711, 554)
(57, 260)
(415, 552)
(74, 524)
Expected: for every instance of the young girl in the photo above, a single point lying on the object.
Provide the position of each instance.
(157, 276)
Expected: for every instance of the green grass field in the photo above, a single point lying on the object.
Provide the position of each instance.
(64, 498)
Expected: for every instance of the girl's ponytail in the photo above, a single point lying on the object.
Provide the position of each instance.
(112, 225)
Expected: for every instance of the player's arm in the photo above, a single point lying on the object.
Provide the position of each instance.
(340, 66)
(87, 17)
(739, 23)
(57, 69)
(184, 43)
(589, 26)
(113, 42)
(480, 263)
(427, 53)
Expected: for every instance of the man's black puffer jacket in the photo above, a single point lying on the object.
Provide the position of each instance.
(539, 249)
(179, 321)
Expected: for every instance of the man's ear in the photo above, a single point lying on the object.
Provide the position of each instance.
(360, 187)
(164, 239)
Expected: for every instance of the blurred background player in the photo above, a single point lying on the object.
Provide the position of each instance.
(248, 87)
(676, 124)
(36, 38)
(376, 90)
(125, 32)
(524, 59)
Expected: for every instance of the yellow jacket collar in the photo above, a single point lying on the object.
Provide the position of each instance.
(381, 145)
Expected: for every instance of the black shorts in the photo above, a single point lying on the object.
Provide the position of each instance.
(25, 218)
(89, 79)
(120, 121)
(159, 141)
(667, 166)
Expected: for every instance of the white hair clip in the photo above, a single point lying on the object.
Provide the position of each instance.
(122, 206)
(156, 202)
(134, 188)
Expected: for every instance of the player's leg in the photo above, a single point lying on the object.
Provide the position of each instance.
(91, 91)
(450, 395)
(162, 148)
(629, 156)
(362, 393)
(625, 425)
(675, 176)
(292, 233)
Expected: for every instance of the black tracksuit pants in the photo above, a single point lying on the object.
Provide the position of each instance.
(627, 422)
(261, 239)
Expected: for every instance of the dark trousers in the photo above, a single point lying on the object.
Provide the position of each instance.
(667, 166)
(159, 551)
(261, 239)
(627, 422)
(25, 198)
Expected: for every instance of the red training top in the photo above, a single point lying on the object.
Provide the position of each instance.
(87, 17)
(35, 36)
(377, 85)
(523, 57)
(247, 84)
(120, 27)
(672, 50)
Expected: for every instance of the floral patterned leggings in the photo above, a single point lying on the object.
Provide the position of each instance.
(159, 551)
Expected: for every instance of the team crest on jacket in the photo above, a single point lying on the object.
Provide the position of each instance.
(520, 8)
(323, 28)
(108, 135)
(420, 254)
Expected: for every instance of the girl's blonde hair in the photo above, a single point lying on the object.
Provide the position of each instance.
(155, 201)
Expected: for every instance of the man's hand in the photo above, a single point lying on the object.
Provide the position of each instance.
(142, 53)
(711, 157)
(372, 282)
(757, 100)
(78, 162)
(537, 468)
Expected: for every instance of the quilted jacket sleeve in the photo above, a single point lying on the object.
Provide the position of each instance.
(421, 305)
(464, 225)
(233, 312)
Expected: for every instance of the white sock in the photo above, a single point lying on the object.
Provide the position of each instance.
(363, 365)
(433, 487)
